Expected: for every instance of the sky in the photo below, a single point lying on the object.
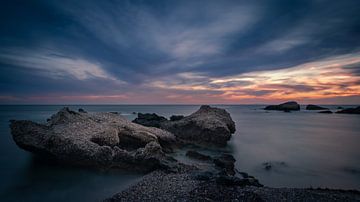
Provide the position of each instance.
(179, 52)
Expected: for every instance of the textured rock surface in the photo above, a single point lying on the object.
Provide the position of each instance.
(208, 125)
(350, 111)
(94, 139)
(315, 107)
(287, 106)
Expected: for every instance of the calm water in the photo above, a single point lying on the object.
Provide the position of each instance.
(317, 150)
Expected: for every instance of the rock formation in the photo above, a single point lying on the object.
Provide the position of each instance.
(287, 106)
(94, 139)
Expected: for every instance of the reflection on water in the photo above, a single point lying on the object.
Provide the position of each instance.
(302, 148)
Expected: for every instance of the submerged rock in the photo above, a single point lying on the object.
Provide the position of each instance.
(208, 125)
(198, 156)
(315, 107)
(151, 120)
(325, 112)
(350, 111)
(287, 106)
(102, 140)
(226, 163)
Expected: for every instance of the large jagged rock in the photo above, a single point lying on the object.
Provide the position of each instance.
(208, 125)
(350, 111)
(315, 107)
(287, 106)
(94, 139)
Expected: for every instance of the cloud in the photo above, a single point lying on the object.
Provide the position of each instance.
(53, 64)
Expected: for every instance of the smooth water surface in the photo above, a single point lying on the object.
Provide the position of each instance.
(305, 149)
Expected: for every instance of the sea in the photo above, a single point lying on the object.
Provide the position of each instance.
(299, 149)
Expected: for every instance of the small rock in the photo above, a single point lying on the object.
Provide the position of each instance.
(176, 117)
(150, 120)
(315, 107)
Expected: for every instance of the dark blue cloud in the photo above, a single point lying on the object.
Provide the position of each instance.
(137, 42)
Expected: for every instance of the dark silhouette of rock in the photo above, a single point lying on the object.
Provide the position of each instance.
(198, 156)
(101, 140)
(350, 111)
(315, 107)
(176, 117)
(151, 120)
(208, 125)
(325, 112)
(82, 110)
(287, 106)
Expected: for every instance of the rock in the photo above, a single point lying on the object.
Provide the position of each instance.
(350, 111)
(198, 156)
(176, 117)
(325, 112)
(82, 110)
(101, 140)
(151, 120)
(340, 108)
(315, 107)
(134, 113)
(208, 125)
(287, 106)
(226, 163)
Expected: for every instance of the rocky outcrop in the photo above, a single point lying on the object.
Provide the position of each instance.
(102, 140)
(315, 107)
(350, 111)
(150, 120)
(287, 106)
(208, 125)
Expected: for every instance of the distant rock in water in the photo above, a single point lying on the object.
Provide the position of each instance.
(102, 140)
(350, 111)
(176, 117)
(325, 112)
(208, 125)
(315, 107)
(287, 106)
(151, 120)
